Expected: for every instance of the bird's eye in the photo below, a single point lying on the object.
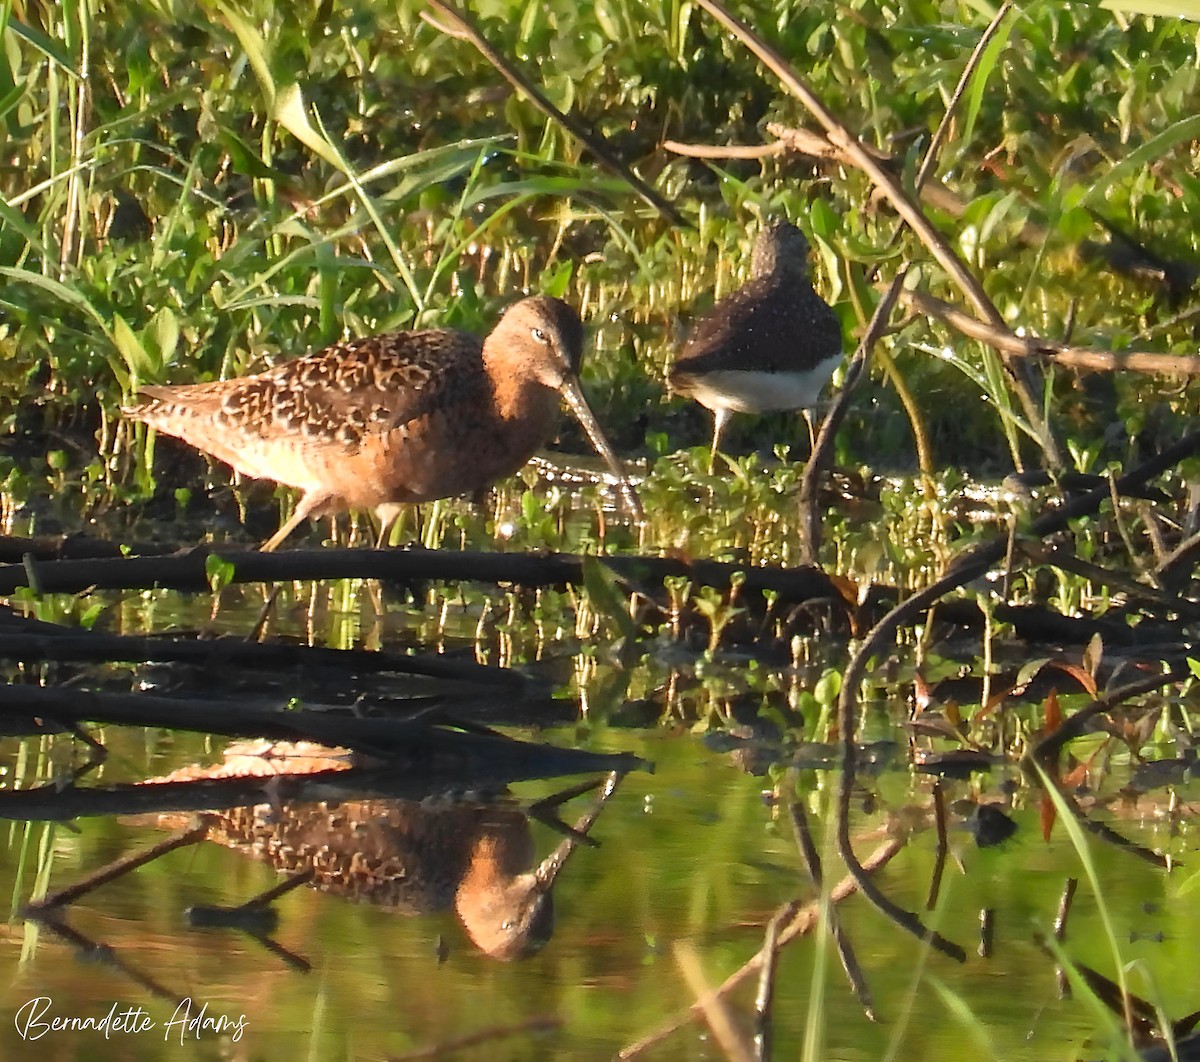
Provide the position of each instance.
(539, 336)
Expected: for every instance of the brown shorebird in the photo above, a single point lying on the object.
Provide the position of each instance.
(771, 345)
(405, 417)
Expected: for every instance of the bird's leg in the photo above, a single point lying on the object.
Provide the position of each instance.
(720, 418)
(304, 507)
(389, 515)
(812, 430)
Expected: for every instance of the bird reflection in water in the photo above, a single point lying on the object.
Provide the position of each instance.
(476, 855)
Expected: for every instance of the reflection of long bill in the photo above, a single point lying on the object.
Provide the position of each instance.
(573, 393)
(549, 867)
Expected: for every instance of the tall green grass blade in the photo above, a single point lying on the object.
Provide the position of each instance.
(48, 46)
(979, 79)
(1189, 9)
(59, 177)
(253, 45)
(1079, 841)
(59, 290)
(1181, 132)
(957, 1007)
(291, 114)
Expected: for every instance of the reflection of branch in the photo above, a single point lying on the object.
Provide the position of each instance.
(483, 1036)
(812, 860)
(459, 26)
(1008, 342)
(104, 953)
(47, 641)
(801, 919)
(116, 869)
(716, 1011)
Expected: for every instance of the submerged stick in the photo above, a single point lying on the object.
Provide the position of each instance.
(802, 919)
(816, 874)
(711, 1005)
(766, 985)
(943, 847)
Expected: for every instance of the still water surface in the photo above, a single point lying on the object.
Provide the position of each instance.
(692, 853)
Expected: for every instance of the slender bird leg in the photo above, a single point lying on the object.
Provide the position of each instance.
(389, 515)
(304, 507)
(812, 430)
(720, 418)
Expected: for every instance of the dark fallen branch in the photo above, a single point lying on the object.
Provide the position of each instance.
(186, 571)
(79, 546)
(1163, 600)
(61, 644)
(1040, 625)
(393, 781)
(418, 747)
(1046, 751)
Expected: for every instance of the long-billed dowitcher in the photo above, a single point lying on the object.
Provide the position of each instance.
(771, 345)
(379, 422)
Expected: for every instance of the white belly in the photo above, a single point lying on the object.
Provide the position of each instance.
(747, 391)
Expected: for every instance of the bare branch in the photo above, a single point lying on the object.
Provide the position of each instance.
(1008, 342)
(460, 27)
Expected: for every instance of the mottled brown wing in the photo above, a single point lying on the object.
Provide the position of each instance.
(357, 388)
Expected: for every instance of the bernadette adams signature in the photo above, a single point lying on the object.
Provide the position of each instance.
(35, 1019)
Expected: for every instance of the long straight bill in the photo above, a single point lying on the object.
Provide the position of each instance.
(573, 393)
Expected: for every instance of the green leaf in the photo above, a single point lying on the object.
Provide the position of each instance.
(129, 346)
(558, 280)
(219, 571)
(244, 159)
(57, 289)
(1183, 131)
(161, 336)
(290, 112)
(827, 688)
(607, 597)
